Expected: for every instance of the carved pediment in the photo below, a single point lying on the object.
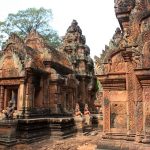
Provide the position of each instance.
(14, 43)
(116, 64)
(11, 65)
(35, 41)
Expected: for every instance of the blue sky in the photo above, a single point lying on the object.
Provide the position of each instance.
(95, 17)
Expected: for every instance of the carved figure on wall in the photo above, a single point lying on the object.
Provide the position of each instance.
(77, 111)
(118, 64)
(87, 115)
(9, 110)
(125, 37)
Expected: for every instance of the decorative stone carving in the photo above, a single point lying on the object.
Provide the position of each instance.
(79, 120)
(75, 48)
(87, 115)
(45, 82)
(77, 111)
(124, 6)
(118, 115)
(8, 113)
(117, 64)
(117, 37)
(126, 69)
(74, 27)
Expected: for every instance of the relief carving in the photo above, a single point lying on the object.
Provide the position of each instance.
(118, 115)
(117, 64)
(123, 6)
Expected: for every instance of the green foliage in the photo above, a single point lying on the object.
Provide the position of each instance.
(98, 86)
(25, 20)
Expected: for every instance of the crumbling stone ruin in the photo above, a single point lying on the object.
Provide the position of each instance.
(123, 70)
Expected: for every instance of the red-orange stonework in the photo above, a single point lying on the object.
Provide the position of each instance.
(123, 69)
(44, 85)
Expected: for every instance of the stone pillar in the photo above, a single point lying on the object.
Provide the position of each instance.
(1, 98)
(5, 98)
(106, 112)
(130, 87)
(53, 97)
(83, 91)
(21, 96)
(70, 101)
(146, 98)
(138, 111)
(47, 80)
(131, 97)
(45, 92)
(29, 95)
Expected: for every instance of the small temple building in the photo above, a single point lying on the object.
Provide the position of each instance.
(42, 82)
(123, 69)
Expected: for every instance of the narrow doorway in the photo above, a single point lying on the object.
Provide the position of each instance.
(11, 93)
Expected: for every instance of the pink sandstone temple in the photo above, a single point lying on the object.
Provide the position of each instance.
(40, 86)
(44, 92)
(123, 70)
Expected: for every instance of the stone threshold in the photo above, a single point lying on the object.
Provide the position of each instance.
(121, 145)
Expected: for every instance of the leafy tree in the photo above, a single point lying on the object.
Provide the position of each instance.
(25, 20)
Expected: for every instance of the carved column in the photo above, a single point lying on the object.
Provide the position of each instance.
(130, 87)
(5, 98)
(50, 92)
(21, 96)
(45, 92)
(27, 101)
(29, 95)
(83, 91)
(71, 100)
(146, 98)
(53, 97)
(106, 112)
(138, 111)
(64, 99)
(1, 98)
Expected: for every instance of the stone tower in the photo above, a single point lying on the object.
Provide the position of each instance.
(74, 46)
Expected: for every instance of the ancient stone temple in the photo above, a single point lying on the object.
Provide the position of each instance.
(39, 84)
(32, 71)
(124, 72)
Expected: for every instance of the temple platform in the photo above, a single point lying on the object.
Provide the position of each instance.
(8, 134)
(61, 127)
(25, 131)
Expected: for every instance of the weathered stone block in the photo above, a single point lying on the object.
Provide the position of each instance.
(8, 132)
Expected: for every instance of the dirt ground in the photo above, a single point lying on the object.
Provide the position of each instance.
(79, 142)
